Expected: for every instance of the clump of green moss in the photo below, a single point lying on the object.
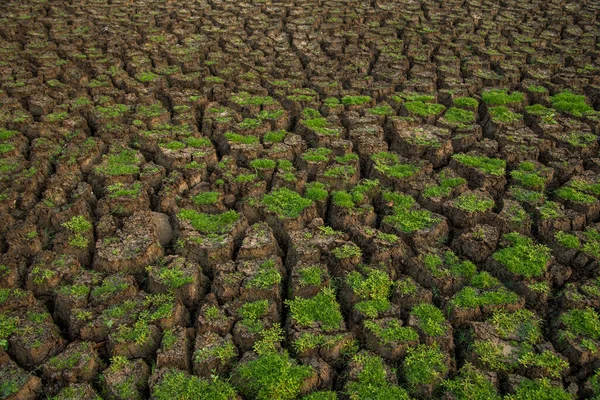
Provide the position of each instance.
(470, 383)
(571, 103)
(523, 257)
(176, 384)
(321, 309)
(504, 114)
(424, 365)
(423, 109)
(389, 164)
(472, 202)
(492, 166)
(500, 97)
(404, 217)
(286, 203)
(210, 224)
(372, 381)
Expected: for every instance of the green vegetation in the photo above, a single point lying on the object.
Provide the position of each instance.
(430, 319)
(263, 163)
(286, 203)
(347, 250)
(504, 114)
(392, 332)
(521, 324)
(523, 257)
(241, 139)
(374, 285)
(406, 219)
(78, 225)
(472, 202)
(547, 114)
(470, 297)
(173, 146)
(317, 123)
(320, 154)
(252, 312)
(316, 191)
(499, 97)
(246, 99)
(537, 89)
(272, 376)
(172, 275)
(341, 172)
(580, 139)
(322, 309)
(492, 166)
(570, 193)
(177, 385)
(373, 381)
(471, 384)
(275, 136)
(466, 102)
(384, 109)
(266, 276)
(206, 198)
(526, 196)
(583, 324)
(355, 100)
(250, 123)
(424, 365)
(424, 109)
(459, 116)
(567, 240)
(445, 186)
(539, 389)
(8, 326)
(526, 176)
(571, 103)
(146, 76)
(152, 110)
(121, 163)
(224, 351)
(310, 276)
(210, 224)
(6, 134)
(347, 158)
(450, 264)
(389, 165)
(552, 365)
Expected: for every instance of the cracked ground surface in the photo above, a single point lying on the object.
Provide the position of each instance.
(299, 199)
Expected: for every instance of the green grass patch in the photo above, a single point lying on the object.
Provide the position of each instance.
(504, 115)
(500, 97)
(424, 365)
(389, 164)
(492, 166)
(424, 109)
(206, 198)
(286, 203)
(430, 319)
(471, 384)
(391, 332)
(523, 257)
(320, 154)
(210, 224)
(571, 103)
(373, 381)
(321, 308)
(355, 100)
(176, 384)
(471, 202)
